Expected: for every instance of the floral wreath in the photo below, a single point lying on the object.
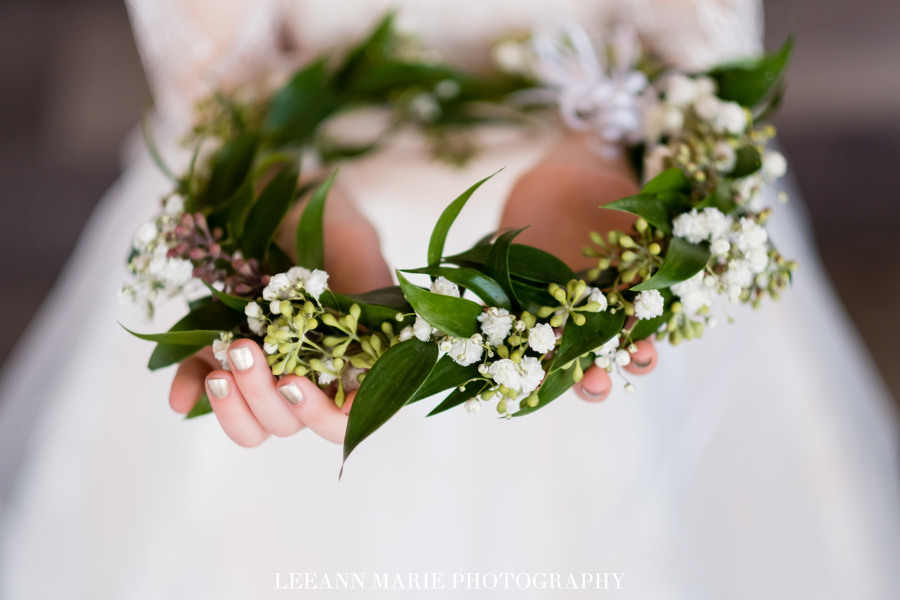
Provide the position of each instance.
(696, 140)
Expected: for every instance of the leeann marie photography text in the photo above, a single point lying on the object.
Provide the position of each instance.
(449, 581)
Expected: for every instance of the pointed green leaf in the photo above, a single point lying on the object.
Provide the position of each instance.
(598, 328)
(376, 307)
(297, 109)
(268, 211)
(230, 166)
(747, 162)
(445, 375)
(204, 315)
(442, 227)
(456, 316)
(670, 180)
(683, 261)
(457, 397)
(481, 285)
(749, 82)
(646, 206)
(201, 407)
(525, 262)
(497, 262)
(200, 337)
(233, 302)
(532, 297)
(310, 238)
(390, 383)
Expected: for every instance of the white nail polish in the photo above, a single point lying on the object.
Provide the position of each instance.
(241, 358)
(291, 393)
(218, 387)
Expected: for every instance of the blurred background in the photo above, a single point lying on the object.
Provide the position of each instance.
(73, 88)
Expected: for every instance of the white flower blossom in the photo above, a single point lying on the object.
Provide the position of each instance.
(622, 358)
(532, 374)
(750, 236)
(758, 259)
(270, 348)
(648, 304)
(542, 338)
(220, 348)
(279, 288)
(406, 333)
(445, 287)
(598, 297)
(472, 405)
(174, 205)
(496, 324)
(694, 294)
(464, 351)
(719, 247)
(316, 283)
(724, 157)
(327, 377)
(255, 318)
(773, 165)
(697, 226)
(145, 234)
(422, 329)
(523, 378)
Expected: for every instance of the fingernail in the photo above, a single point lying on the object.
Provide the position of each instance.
(291, 393)
(242, 358)
(218, 387)
(643, 364)
(595, 395)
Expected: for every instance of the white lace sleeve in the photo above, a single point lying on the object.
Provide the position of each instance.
(192, 47)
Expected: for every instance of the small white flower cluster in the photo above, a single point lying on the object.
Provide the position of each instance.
(154, 274)
(295, 284)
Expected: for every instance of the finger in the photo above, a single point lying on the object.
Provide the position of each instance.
(231, 409)
(313, 407)
(348, 402)
(595, 385)
(257, 386)
(188, 384)
(644, 360)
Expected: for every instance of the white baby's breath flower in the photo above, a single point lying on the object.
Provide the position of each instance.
(445, 287)
(278, 289)
(622, 357)
(648, 304)
(255, 319)
(506, 372)
(422, 329)
(542, 338)
(472, 405)
(145, 234)
(326, 378)
(739, 274)
(724, 157)
(719, 247)
(681, 90)
(406, 333)
(220, 348)
(496, 324)
(732, 118)
(270, 348)
(694, 294)
(532, 374)
(773, 165)
(316, 283)
(758, 258)
(598, 297)
(465, 351)
(174, 205)
(750, 236)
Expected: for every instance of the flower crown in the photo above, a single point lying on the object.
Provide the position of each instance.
(700, 230)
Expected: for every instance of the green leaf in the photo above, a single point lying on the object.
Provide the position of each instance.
(233, 302)
(297, 109)
(230, 166)
(442, 227)
(532, 297)
(670, 180)
(644, 328)
(268, 211)
(374, 309)
(392, 381)
(598, 328)
(497, 262)
(747, 162)
(201, 407)
(310, 238)
(199, 337)
(683, 261)
(371, 49)
(749, 82)
(456, 316)
(554, 385)
(525, 262)
(457, 397)
(204, 315)
(647, 206)
(445, 375)
(481, 285)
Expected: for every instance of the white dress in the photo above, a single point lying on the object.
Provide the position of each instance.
(759, 462)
